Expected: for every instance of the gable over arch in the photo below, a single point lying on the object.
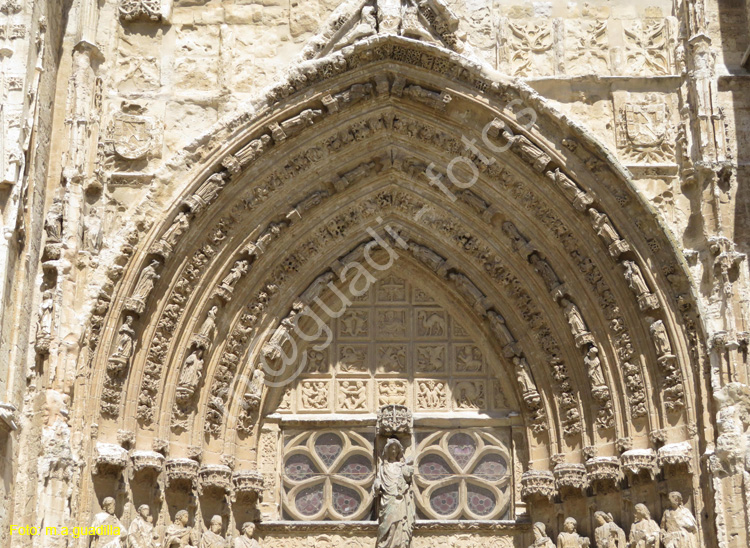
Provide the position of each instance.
(550, 251)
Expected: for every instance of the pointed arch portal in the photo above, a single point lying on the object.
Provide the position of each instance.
(570, 348)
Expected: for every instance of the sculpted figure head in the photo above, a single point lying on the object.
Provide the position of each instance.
(540, 531)
(248, 528)
(108, 505)
(600, 517)
(570, 525)
(216, 524)
(181, 518)
(393, 450)
(641, 512)
(675, 499)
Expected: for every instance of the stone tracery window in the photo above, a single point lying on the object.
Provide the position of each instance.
(396, 345)
(328, 474)
(462, 474)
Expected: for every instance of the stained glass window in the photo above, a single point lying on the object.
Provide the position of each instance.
(462, 475)
(328, 475)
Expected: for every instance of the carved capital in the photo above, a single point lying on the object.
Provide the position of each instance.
(249, 483)
(638, 462)
(570, 477)
(110, 459)
(181, 471)
(539, 484)
(215, 476)
(147, 461)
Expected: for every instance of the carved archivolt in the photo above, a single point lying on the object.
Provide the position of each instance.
(243, 283)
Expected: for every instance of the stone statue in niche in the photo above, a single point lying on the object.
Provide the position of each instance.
(53, 223)
(246, 540)
(239, 269)
(637, 284)
(114, 533)
(678, 526)
(141, 533)
(179, 225)
(191, 374)
(661, 340)
(607, 533)
(125, 344)
(44, 322)
(541, 540)
(528, 388)
(397, 511)
(569, 537)
(645, 532)
(577, 325)
(212, 538)
(209, 324)
(594, 370)
(179, 534)
(146, 282)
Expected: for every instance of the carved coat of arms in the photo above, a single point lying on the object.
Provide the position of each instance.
(646, 124)
(132, 134)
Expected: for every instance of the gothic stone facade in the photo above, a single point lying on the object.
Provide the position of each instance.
(247, 242)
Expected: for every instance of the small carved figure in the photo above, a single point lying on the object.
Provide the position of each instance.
(92, 230)
(528, 151)
(192, 371)
(367, 26)
(575, 195)
(678, 526)
(603, 226)
(469, 291)
(125, 342)
(635, 278)
(427, 257)
(397, 510)
(141, 531)
(569, 537)
(210, 189)
(146, 282)
(212, 538)
(114, 532)
(661, 339)
(208, 327)
(53, 223)
(352, 395)
(179, 225)
(246, 540)
(573, 315)
(607, 533)
(239, 269)
(523, 374)
(541, 540)
(594, 368)
(500, 329)
(179, 535)
(545, 271)
(645, 532)
(517, 241)
(46, 315)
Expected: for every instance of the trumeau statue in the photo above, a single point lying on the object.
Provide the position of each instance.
(569, 537)
(607, 533)
(645, 532)
(541, 540)
(246, 540)
(179, 535)
(113, 531)
(397, 509)
(678, 526)
(141, 531)
(212, 538)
